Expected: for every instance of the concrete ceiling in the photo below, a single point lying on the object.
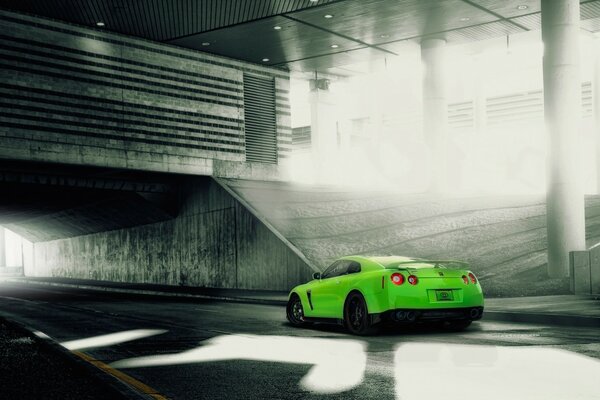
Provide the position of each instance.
(359, 30)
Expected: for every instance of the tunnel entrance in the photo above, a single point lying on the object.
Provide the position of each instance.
(12, 253)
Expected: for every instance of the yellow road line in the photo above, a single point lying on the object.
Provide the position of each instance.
(141, 387)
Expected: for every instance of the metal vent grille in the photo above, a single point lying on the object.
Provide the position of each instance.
(259, 111)
(528, 106)
(515, 108)
(461, 116)
(301, 138)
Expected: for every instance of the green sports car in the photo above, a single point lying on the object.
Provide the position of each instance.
(361, 292)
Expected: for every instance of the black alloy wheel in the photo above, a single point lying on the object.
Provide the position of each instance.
(295, 311)
(356, 316)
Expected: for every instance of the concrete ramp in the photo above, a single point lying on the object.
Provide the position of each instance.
(504, 238)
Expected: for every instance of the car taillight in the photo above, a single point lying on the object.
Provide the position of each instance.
(397, 278)
(465, 279)
(413, 280)
(472, 277)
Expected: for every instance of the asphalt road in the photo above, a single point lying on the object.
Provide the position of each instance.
(218, 350)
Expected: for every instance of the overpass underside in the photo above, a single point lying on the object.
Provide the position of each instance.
(168, 229)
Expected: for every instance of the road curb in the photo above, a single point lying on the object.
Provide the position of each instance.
(489, 315)
(143, 292)
(54, 347)
(541, 318)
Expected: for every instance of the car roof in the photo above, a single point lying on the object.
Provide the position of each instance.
(377, 262)
(371, 263)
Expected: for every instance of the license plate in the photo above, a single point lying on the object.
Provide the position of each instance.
(444, 295)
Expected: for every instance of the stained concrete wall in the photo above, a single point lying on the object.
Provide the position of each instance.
(77, 95)
(214, 242)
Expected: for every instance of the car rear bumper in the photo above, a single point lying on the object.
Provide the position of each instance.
(410, 315)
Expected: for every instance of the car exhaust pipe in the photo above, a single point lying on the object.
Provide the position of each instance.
(411, 316)
(474, 313)
(400, 315)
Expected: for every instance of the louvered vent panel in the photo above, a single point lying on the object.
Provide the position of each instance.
(515, 108)
(586, 100)
(528, 106)
(259, 110)
(460, 116)
(301, 138)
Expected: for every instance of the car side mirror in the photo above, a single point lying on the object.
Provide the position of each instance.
(317, 275)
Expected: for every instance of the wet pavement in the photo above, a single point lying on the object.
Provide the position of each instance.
(567, 310)
(186, 348)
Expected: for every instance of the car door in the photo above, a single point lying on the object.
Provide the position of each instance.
(323, 291)
(328, 296)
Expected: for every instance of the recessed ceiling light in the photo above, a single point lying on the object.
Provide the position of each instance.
(205, 43)
(265, 60)
(335, 46)
(464, 19)
(522, 7)
(328, 16)
(277, 27)
(384, 36)
(99, 23)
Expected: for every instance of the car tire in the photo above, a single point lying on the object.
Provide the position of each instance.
(356, 315)
(295, 311)
(457, 325)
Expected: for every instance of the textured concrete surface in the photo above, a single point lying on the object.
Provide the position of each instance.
(71, 94)
(213, 242)
(503, 238)
(67, 314)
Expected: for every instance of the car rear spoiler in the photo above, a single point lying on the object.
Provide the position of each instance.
(436, 263)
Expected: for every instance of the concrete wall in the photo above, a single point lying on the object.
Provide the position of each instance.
(213, 242)
(78, 95)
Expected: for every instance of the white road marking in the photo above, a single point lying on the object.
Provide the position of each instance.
(111, 339)
(338, 365)
(464, 372)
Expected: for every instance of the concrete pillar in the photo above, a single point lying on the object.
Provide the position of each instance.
(323, 131)
(435, 108)
(2, 248)
(562, 109)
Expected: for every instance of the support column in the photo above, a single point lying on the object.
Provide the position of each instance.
(435, 109)
(562, 110)
(323, 131)
(2, 248)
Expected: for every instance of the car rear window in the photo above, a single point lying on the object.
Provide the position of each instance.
(416, 264)
(413, 265)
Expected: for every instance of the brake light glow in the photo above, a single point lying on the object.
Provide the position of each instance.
(465, 279)
(472, 277)
(412, 279)
(397, 278)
